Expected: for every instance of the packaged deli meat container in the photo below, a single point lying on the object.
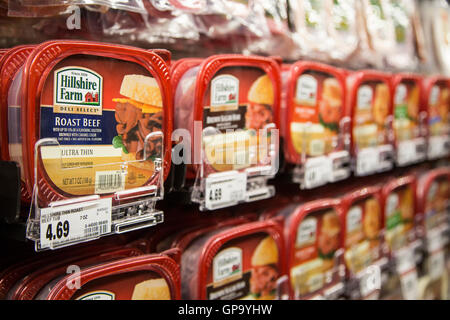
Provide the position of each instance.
(409, 119)
(436, 101)
(89, 136)
(11, 70)
(227, 106)
(10, 277)
(146, 277)
(29, 287)
(315, 126)
(365, 255)
(433, 196)
(242, 262)
(313, 239)
(370, 107)
(399, 207)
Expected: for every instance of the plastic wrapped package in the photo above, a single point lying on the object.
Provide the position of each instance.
(403, 55)
(30, 286)
(316, 130)
(279, 42)
(380, 30)
(369, 105)
(399, 214)
(313, 240)
(436, 101)
(146, 277)
(136, 104)
(410, 127)
(365, 254)
(343, 30)
(309, 21)
(231, 102)
(21, 9)
(148, 28)
(11, 72)
(439, 12)
(243, 262)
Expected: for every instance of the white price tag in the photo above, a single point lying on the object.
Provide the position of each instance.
(437, 146)
(370, 281)
(317, 171)
(436, 265)
(75, 222)
(406, 152)
(409, 285)
(367, 161)
(225, 189)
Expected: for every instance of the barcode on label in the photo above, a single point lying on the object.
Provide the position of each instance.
(97, 228)
(109, 181)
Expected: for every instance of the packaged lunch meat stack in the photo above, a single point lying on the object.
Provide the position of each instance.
(242, 262)
(343, 28)
(364, 251)
(436, 101)
(309, 23)
(379, 28)
(226, 116)
(403, 53)
(316, 129)
(410, 127)
(145, 277)
(399, 207)
(10, 117)
(313, 239)
(433, 201)
(30, 286)
(369, 105)
(96, 124)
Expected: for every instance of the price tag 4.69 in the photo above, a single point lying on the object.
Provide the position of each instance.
(225, 189)
(75, 222)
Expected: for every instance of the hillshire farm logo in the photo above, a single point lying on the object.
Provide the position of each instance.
(227, 265)
(78, 90)
(224, 93)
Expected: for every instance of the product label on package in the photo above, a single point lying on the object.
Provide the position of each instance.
(438, 109)
(370, 114)
(74, 222)
(362, 234)
(136, 285)
(399, 217)
(315, 253)
(317, 111)
(437, 203)
(100, 110)
(237, 107)
(406, 110)
(245, 268)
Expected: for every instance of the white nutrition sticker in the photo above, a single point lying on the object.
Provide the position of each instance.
(74, 222)
(225, 189)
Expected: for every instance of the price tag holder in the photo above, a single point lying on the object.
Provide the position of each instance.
(225, 189)
(409, 284)
(406, 269)
(367, 161)
(74, 222)
(370, 282)
(411, 151)
(438, 146)
(340, 165)
(318, 170)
